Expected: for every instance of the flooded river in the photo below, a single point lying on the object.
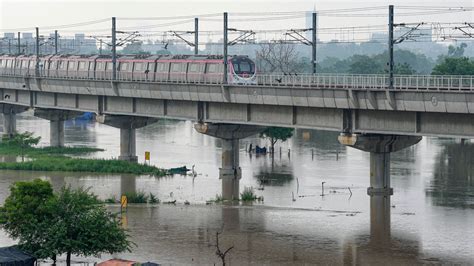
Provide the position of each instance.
(432, 209)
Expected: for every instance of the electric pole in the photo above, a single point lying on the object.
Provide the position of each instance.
(390, 46)
(19, 44)
(196, 36)
(100, 47)
(55, 42)
(225, 47)
(314, 43)
(114, 50)
(37, 51)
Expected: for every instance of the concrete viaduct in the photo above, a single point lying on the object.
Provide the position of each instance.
(368, 115)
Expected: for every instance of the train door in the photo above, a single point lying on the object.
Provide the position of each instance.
(162, 71)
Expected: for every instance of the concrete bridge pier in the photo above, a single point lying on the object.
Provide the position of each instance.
(127, 126)
(9, 118)
(380, 147)
(56, 123)
(230, 173)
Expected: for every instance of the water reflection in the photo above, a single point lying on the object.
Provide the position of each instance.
(380, 247)
(453, 178)
(333, 229)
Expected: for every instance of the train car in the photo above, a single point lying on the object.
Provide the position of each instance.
(160, 68)
(242, 70)
(45, 64)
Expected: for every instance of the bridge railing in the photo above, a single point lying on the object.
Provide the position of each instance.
(336, 81)
(344, 81)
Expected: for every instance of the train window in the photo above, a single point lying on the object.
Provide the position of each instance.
(110, 66)
(212, 68)
(151, 67)
(72, 65)
(163, 67)
(25, 64)
(62, 64)
(242, 66)
(9, 63)
(138, 67)
(100, 65)
(124, 66)
(194, 67)
(82, 65)
(176, 67)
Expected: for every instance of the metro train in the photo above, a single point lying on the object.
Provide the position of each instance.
(159, 68)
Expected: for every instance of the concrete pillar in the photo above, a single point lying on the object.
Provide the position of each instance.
(9, 112)
(128, 145)
(127, 126)
(230, 172)
(56, 133)
(9, 124)
(56, 123)
(380, 147)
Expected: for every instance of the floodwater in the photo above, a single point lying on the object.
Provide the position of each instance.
(430, 218)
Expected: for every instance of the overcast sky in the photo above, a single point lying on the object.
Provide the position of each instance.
(28, 14)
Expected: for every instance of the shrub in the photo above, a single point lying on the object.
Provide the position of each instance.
(248, 195)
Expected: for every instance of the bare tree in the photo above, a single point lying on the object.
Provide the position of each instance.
(219, 251)
(278, 57)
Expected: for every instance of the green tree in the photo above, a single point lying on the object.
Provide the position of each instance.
(458, 51)
(71, 222)
(404, 69)
(26, 213)
(23, 140)
(363, 64)
(277, 133)
(82, 226)
(454, 66)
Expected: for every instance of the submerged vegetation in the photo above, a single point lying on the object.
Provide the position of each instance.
(136, 197)
(248, 195)
(55, 159)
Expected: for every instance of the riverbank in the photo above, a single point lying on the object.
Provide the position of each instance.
(57, 159)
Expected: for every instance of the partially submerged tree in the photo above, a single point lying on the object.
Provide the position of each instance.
(71, 222)
(83, 227)
(277, 133)
(23, 141)
(26, 214)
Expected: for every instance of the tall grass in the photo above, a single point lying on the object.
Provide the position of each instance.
(66, 164)
(12, 149)
(248, 194)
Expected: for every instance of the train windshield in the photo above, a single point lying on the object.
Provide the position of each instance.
(243, 66)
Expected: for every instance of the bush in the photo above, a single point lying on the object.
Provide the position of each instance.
(152, 199)
(248, 194)
(137, 197)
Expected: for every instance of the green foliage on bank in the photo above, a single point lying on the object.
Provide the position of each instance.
(248, 195)
(71, 222)
(67, 164)
(55, 159)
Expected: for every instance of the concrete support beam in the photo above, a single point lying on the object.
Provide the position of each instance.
(127, 126)
(380, 147)
(230, 172)
(56, 123)
(9, 118)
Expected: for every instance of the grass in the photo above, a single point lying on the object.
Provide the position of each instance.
(67, 164)
(55, 159)
(248, 194)
(10, 149)
(139, 197)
